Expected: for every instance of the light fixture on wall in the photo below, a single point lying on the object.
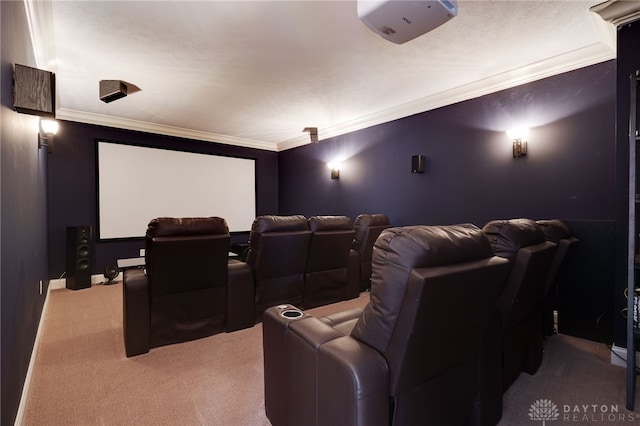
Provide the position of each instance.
(335, 169)
(519, 138)
(48, 128)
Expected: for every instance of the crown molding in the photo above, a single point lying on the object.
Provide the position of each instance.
(590, 55)
(615, 11)
(40, 21)
(142, 126)
(618, 12)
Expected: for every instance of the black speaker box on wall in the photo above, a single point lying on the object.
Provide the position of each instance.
(79, 254)
(34, 91)
(418, 163)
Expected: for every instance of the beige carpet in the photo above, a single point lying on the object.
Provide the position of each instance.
(82, 377)
(580, 383)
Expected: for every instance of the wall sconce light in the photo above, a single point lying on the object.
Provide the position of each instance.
(48, 128)
(518, 136)
(335, 170)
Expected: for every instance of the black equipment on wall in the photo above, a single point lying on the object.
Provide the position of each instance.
(79, 254)
(418, 163)
(34, 91)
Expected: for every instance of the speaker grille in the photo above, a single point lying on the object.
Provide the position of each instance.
(84, 251)
(79, 254)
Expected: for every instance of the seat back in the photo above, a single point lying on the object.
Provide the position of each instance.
(367, 227)
(523, 242)
(278, 254)
(557, 232)
(326, 273)
(431, 288)
(186, 264)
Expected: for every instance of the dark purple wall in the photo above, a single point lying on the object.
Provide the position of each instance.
(471, 176)
(569, 173)
(72, 185)
(23, 228)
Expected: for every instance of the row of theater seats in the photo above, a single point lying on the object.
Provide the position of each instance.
(455, 314)
(190, 289)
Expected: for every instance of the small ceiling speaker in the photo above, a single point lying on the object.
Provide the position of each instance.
(111, 90)
(313, 133)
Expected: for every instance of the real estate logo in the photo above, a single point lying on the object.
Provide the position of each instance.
(544, 409)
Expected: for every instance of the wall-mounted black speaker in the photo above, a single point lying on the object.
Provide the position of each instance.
(79, 254)
(34, 91)
(418, 164)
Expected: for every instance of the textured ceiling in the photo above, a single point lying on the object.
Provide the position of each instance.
(256, 73)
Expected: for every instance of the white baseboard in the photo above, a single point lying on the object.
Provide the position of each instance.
(619, 356)
(27, 381)
(53, 285)
(57, 284)
(95, 279)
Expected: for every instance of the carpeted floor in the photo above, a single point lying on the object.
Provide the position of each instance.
(580, 384)
(82, 376)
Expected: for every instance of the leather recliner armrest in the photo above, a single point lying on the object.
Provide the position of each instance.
(240, 297)
(136, 317)
(353, 384)
(359, 371)
(338, 318)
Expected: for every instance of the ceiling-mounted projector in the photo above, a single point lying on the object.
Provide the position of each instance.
(400, 21)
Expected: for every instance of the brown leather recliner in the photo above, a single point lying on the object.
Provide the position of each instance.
(368, 227)
(410, 357)
(183, 292)
(331, 273)
(278, 247)
(523, 242)
(557, 232)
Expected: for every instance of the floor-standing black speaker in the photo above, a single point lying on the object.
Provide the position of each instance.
(79, 254)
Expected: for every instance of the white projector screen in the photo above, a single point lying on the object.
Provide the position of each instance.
(137, 184)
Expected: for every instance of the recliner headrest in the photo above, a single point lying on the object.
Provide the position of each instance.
(554, 229)
(329, 223)
(371, 220)
(273, 223)
(365, 221)
(425, 246)
(172, 227)
(397, 252)
(508, 236)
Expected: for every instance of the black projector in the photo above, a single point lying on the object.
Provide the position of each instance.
(111, 90)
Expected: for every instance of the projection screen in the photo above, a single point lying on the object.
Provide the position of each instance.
(137, 184)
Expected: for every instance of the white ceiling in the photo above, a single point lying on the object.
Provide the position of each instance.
(255, 73)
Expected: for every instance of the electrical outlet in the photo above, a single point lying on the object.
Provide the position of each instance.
(141, 252)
